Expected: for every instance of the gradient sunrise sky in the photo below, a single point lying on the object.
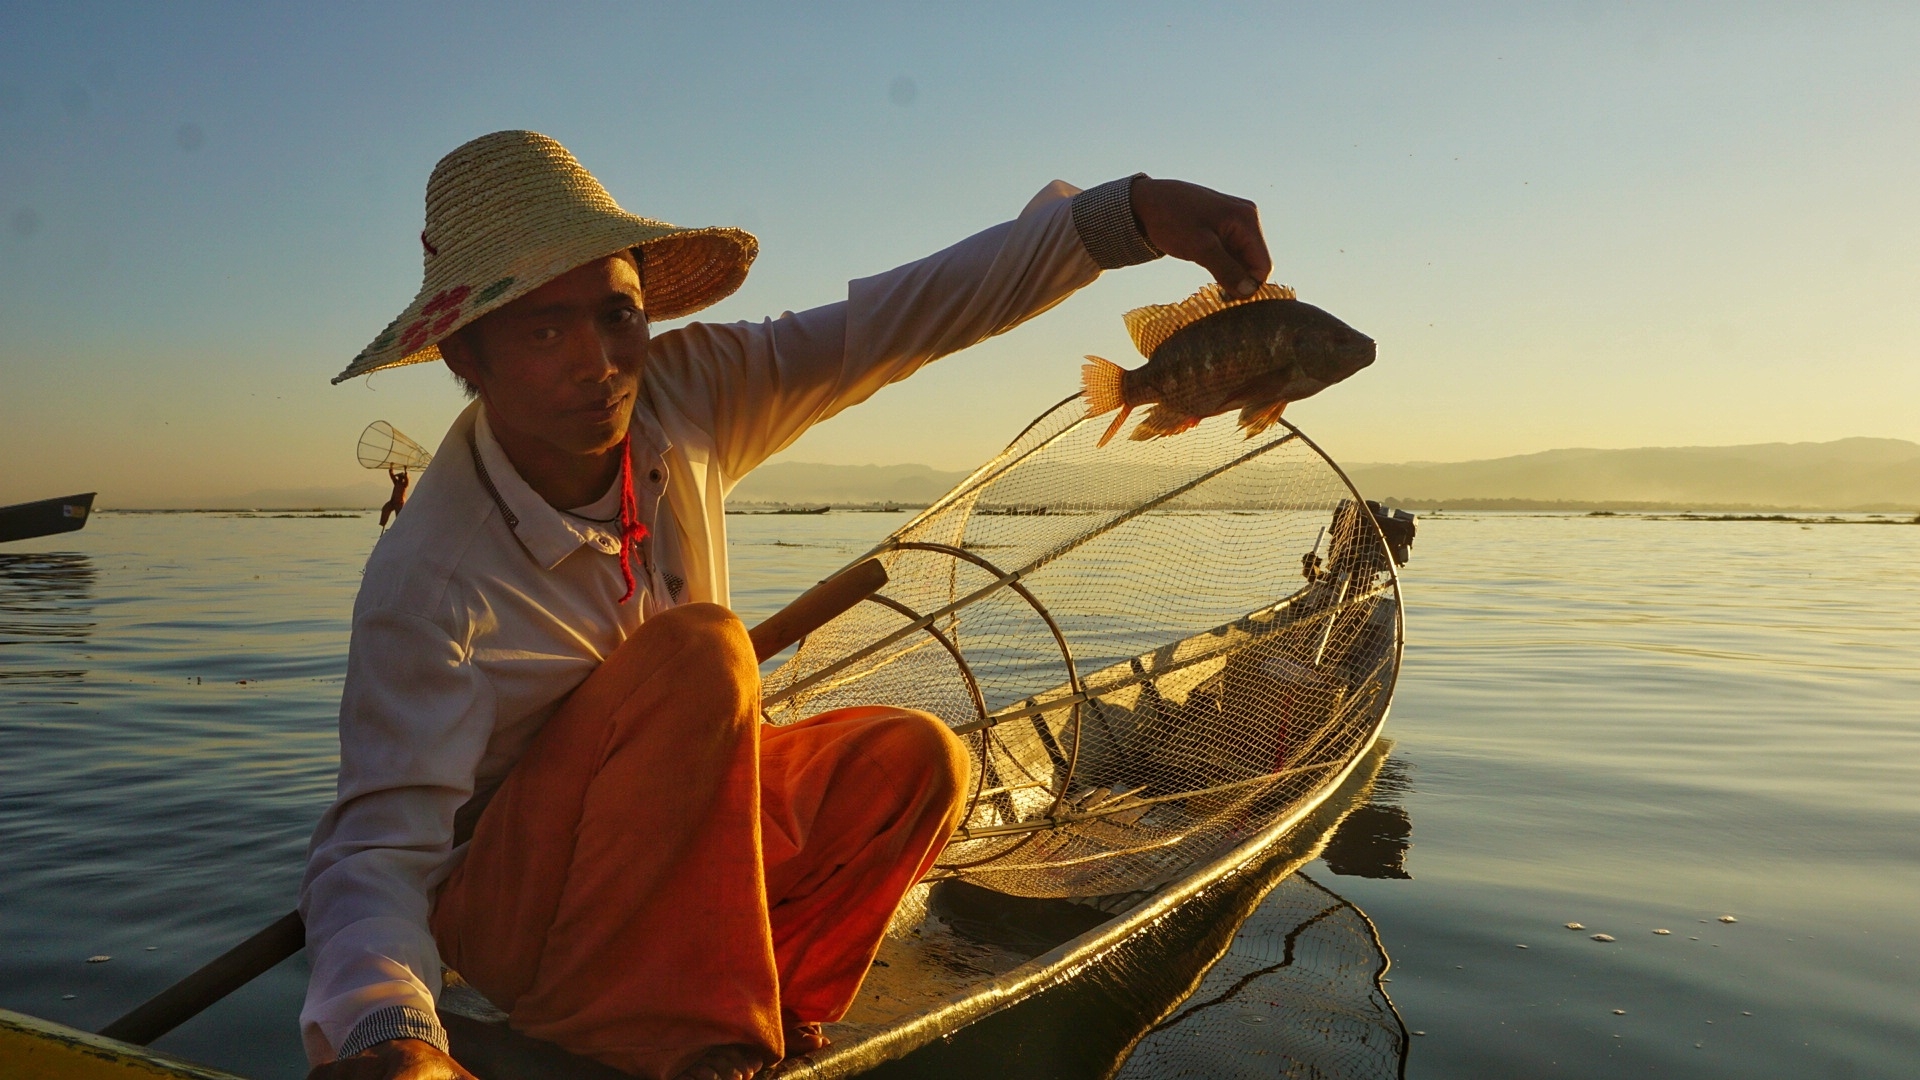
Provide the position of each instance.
(1587, 224)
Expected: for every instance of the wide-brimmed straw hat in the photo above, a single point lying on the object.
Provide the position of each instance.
(511, 211)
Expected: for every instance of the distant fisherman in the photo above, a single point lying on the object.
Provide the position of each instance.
(1213, 352)
(398, 500)
(541, 654)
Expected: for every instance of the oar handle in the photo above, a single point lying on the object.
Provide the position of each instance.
(817, 606)
(241, 964)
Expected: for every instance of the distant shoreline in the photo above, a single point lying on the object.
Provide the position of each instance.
(1634, 506)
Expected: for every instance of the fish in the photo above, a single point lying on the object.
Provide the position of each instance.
(1212, 352)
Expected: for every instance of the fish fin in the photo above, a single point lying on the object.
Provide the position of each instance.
(1151, 326)
(1256, 419)
(1115, 426)
(1162, 422)
(1103, 384)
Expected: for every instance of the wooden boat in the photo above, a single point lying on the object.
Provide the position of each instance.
(23, 521)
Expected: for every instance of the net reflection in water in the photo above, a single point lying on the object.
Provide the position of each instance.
(1297, 994)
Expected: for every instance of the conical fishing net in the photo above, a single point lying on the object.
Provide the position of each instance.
(1152, 650)
(383, 446)
(1297, 994)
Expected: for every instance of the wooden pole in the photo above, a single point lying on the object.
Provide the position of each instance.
(816, 607)
(287, 935)
(228, 972)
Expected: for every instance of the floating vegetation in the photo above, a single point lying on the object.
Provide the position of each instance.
(1014, 511)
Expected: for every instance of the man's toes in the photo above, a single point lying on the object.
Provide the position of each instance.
(805, 1039)
(725, 1063)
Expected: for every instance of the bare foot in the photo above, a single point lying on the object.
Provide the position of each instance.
(734, 1062)
(805, 1039)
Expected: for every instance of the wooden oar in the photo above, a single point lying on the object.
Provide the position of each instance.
(287, 935)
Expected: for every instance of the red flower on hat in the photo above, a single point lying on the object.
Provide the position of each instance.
(436, 318)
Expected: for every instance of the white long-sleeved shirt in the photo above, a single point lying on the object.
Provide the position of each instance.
(483, 607)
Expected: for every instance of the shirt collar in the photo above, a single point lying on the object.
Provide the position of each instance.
(549, 535)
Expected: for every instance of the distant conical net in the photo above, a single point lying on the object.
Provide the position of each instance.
(1151, 651)
(383, 446)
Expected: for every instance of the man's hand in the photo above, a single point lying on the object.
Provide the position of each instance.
(395, 1059)
(1201, 225)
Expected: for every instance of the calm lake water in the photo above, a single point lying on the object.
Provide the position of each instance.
(1630, 724)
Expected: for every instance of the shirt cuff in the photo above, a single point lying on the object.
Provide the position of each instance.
(1103, 216)
(394, 1022)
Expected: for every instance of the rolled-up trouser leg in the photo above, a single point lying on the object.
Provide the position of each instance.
(613, 899)
(856, 804)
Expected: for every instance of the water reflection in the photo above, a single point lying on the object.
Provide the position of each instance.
(1373, 840)
(46, 601)
(1299, 990)
(1298, 993)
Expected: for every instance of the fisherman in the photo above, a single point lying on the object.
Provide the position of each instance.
(542, 656)
(398, 500)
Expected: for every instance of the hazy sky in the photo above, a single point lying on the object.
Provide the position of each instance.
(1585, 224)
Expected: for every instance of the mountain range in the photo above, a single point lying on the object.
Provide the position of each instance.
(1847, 474)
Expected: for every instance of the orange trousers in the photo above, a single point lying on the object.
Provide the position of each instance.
(661, 873)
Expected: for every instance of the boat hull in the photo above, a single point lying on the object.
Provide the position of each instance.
(44, 1050)
(47, 517)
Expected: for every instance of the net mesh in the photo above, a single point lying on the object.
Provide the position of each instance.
(1297, 994)
(383, 446)
(1151, 650)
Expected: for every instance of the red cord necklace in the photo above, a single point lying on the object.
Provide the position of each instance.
(632, 531)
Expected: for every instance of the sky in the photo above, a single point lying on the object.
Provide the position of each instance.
(1584, 224)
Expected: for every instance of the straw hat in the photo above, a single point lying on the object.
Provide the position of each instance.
(511, 211)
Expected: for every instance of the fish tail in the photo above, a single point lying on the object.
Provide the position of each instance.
(1103, 384)
(1256, 419)
(1115, 426)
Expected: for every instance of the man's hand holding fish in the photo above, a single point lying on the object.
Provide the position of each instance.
(1200, 225)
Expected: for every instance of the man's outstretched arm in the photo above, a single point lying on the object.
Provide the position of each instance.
(755, 387)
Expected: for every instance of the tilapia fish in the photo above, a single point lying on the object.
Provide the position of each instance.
(1210, 353)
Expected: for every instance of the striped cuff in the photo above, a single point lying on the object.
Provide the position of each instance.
(394, 1022)
(1103, 216)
